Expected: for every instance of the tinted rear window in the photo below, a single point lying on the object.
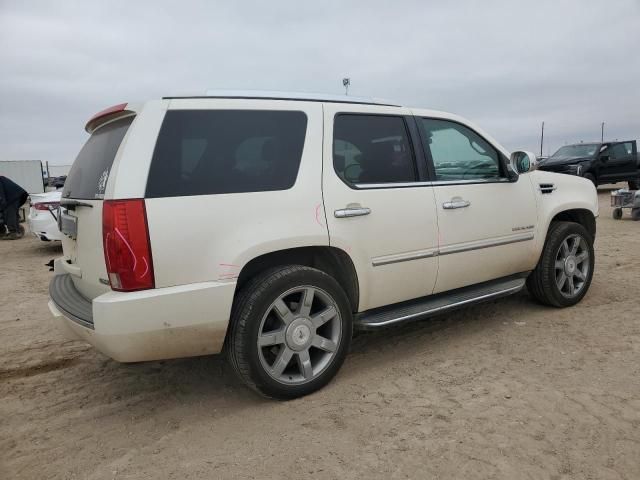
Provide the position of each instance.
(201, 152)
(90, 171)
(369, 149)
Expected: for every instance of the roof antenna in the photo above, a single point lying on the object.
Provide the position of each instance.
(345, 83)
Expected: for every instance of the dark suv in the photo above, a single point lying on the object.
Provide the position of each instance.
(608, 162)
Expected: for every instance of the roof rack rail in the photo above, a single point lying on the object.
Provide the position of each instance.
(277, 95)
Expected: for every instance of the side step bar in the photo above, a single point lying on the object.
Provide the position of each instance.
(431, 305)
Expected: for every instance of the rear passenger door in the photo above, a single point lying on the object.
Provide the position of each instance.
(378, 207)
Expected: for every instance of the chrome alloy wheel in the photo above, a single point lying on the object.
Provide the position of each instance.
(572, 265)
(299, 335)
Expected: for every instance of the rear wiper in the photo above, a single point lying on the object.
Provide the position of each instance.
(72, 204)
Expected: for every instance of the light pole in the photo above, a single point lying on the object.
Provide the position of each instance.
(345, 83)
(541, 138)
(602, 133)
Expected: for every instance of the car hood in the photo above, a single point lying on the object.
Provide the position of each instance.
(46, 197)
(564, 160)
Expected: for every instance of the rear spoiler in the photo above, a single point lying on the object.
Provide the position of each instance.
(110, 113)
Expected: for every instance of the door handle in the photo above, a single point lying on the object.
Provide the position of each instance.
(352, 212)
(456, 202)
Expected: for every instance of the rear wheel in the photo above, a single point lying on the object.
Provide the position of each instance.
(564, 272)
(291, 330)
(617, 213)
(635, 213)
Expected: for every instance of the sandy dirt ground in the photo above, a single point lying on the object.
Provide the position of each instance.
(508, 390)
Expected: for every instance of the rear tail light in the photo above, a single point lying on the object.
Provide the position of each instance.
(127, 250)
(46, 206)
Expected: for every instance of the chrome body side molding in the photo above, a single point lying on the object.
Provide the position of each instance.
(491, 242)
(456, 248)
(403, 257)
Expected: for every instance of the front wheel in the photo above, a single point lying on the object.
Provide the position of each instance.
(564, 272)
(291, 330)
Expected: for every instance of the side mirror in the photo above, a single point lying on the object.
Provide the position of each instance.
(524, 162)
(604, 158)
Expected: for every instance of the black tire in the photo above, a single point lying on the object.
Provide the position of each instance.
(253, 302)
(633, 184)
(541, 283)
(635, 213)
(617, 213)
(591, 178)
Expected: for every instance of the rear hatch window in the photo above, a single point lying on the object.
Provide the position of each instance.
(90, 171)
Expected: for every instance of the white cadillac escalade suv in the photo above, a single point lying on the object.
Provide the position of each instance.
(270, 226)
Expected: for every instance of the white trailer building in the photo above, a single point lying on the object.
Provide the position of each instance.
(26, 173)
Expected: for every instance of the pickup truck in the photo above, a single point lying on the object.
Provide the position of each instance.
(608, 162)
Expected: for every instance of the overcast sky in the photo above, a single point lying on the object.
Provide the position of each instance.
(505, 65)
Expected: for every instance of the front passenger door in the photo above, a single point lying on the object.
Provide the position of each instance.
(486, 222)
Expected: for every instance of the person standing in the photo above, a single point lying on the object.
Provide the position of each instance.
(12, 197)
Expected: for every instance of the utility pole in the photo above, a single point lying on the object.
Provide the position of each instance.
(345, 83)
(602, 133)
(542, 139)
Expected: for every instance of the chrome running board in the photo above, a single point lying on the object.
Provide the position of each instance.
(431, 305)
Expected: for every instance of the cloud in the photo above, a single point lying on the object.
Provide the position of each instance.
(506, 65)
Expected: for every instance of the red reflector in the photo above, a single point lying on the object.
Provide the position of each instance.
(46, 205)
(127, 250)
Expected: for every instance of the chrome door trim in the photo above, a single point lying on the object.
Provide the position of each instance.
(403, 257)
(451, 249)
(436, 183)
(364, 186)
(470, 181)
(488, 243)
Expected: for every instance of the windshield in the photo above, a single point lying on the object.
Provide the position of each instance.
(577, 151)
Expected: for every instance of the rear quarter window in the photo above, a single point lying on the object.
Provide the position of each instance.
(88, 176)
(203, 152)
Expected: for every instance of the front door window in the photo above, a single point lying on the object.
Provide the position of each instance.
(458, 152)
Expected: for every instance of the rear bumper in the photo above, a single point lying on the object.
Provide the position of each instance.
(70, 302)
(162, 323)
(44, 226)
